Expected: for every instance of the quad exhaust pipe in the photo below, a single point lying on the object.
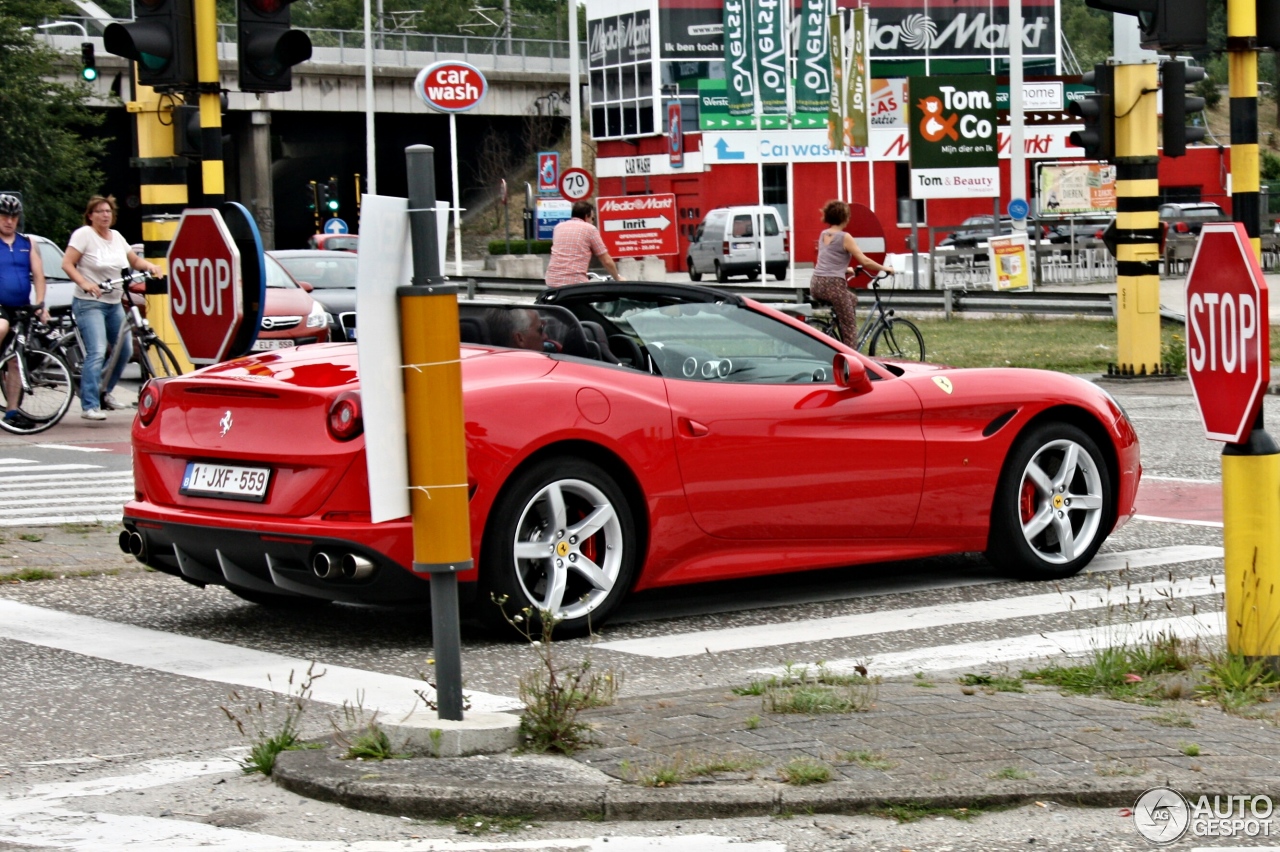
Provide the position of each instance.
(331, 566)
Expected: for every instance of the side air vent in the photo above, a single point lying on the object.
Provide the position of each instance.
(996, 425)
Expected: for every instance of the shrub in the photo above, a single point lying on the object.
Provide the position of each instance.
(520, 246)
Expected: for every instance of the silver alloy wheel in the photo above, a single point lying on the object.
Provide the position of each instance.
(568, 548)
(1060, 501)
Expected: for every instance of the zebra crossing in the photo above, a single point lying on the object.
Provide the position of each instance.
(40, 493)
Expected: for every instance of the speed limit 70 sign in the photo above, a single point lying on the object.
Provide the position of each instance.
(576, 184)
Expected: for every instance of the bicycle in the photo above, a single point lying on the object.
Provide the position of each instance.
(153, 355)
(883, 332)
(44, 381)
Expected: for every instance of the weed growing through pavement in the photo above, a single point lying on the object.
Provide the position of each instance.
(1172, 719)
(477, 824)
(555, 694)
(1189, 749)
(32, 575)
(372, 744)
(681, 767)
(1235, 682)
(868, 759)
(990, 683)
(912, 811)
(1116, 769)
(819, 690)
(273, 727)
(922, 682)
(753, 722)
(1010, 773)
(802, 771)
(31, 537)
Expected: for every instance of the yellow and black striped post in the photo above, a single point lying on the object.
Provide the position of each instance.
(1250, 471)
(210, 87)
(164, 194)
(1137, 220)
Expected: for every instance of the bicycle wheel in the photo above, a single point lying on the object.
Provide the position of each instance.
(828, 326)
(69, 349)
(45, 395)
(158, 359)
(899, 339)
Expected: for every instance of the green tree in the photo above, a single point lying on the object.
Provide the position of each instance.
(47, 150)
(1088, 31)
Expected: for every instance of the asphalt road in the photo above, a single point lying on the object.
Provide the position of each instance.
(114, 684)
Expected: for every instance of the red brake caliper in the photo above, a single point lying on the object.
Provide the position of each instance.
(1027, 500)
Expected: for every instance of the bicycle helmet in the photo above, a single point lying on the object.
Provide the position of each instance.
(10, 205)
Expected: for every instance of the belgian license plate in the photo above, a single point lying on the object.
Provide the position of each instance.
(275, 343)
(229, 482)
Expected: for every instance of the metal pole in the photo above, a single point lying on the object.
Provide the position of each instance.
(575, 96)
(370, 151)
(457, 195)
(1018, 149)
(212, 180)
(434, 429)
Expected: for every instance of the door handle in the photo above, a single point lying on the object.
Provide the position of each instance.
(693, 428)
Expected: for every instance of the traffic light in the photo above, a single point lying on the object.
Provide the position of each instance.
(330, 192)
(1174, 77)
(268, 49)
(1098, 139)
(162, 40)
(1168, 26)
(312, 191)
(88, 65)
(186, 131)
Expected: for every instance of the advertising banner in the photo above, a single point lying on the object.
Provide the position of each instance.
(836, 109)
(888, 103)
(813, 77)
(739, 68)
(1009, 266)
(771, 55)
(1077, 189)
(639, 225)
(952, 127)
(548, 173)
(689, 29)
(856, 77)
(548, 213)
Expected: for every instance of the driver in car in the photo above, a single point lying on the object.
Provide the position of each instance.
(522, 328)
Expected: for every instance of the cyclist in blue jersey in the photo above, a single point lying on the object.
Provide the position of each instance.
(20, 268)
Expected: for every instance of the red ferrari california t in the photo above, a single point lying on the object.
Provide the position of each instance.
(625, 436)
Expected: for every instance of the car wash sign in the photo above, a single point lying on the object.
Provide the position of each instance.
(954, 149)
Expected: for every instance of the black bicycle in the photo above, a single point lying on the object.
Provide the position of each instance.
(883, 333)
(152, 354)
(37, 381)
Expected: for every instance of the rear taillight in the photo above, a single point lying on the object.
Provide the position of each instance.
(149, 402)
(724, 250)
(786, 243)
(345, 421)
(1181, 228)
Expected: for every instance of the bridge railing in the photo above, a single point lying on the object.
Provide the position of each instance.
(411, 50)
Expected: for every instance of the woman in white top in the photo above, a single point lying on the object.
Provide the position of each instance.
(98, 253)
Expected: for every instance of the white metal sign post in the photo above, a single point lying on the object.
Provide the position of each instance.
(452, 87)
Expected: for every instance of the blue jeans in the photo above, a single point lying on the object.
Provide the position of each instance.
(99, 323)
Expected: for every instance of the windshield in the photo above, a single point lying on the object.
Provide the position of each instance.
(323, 273)
(51, 258)
(714, 341)
(276, 276)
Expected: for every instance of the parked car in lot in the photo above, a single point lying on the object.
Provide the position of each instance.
(59, 289)
(794, 452)
(290, 317)
(1188, 217)
(332, 279)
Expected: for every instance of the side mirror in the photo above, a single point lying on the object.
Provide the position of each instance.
(306, 285)
(851, 374)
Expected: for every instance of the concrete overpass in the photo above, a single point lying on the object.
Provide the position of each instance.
(279, 141)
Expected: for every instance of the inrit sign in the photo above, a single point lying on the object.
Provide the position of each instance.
(451, 86)
(639, 225)
(1228, 336)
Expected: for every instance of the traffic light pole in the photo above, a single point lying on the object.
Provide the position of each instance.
(163, 178)
(1250, 471)
(210, 89)
(1137, 220)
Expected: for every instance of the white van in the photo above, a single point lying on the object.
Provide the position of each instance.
(726, 244)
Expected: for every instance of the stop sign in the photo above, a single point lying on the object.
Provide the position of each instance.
(205, 299)
(1228, 334)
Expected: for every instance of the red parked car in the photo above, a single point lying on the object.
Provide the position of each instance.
(668, 433)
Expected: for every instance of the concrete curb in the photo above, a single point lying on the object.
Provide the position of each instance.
(446, 787)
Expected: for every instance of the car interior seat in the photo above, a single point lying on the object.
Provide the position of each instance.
(472, 330)
(595, 334)
(627, 351)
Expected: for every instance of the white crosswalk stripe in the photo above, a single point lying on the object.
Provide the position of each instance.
(35, 493)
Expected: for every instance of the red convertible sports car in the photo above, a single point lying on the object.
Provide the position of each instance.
(625, 436)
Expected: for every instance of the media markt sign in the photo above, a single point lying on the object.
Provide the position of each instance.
(952, 122)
